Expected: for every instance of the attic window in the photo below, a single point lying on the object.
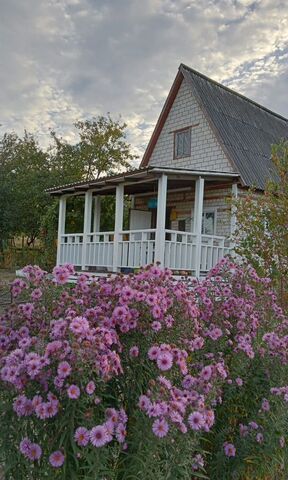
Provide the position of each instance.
(182, 143)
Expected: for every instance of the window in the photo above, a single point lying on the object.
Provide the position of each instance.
(182, 143)
(209, 222)
(209, 219)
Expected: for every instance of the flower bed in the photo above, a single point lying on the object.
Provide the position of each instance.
(143, 377)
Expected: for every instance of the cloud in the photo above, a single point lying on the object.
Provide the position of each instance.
(63, 60)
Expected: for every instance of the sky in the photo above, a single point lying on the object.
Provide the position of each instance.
(66, 60)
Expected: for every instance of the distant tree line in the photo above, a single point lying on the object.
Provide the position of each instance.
(27, 170)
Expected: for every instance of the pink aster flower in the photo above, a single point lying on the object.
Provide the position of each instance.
(64, 369)
(25, 446)
(35, 452)
(144, 402)
(56, 459)
(134, 351)
(196, 420)
(36, 294)
(259, 438)
(160, 428)
(164, 361)
(153, 352)
(73, 392)
(206, 373)
(82, 436)
(121, 433)
(156, 326)
(99, 436)
(265, 405)
(90, 388)
(229, 449)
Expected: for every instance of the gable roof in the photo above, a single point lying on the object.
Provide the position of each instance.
(245, 129)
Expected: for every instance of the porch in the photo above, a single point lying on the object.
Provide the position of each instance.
(151, 236)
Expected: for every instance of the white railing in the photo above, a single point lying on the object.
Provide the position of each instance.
(180, 250)
(99, 249)
(71, 246)
(136, 248)
(212, 250)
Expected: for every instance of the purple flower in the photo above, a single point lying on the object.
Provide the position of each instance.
(34, 452)
(164, 361)
(259, 438)
(196, 420)
(99, 436)
(90, 388)
(229, 449)
(160, 428)
(82, 436)
(64, 369)
(134, 351)
(73, 392)
(265, 405)
(56, 459)
(121, 433)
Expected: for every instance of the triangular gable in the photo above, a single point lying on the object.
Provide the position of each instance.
(182, 110)
(244, 129)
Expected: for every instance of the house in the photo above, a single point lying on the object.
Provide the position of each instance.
(209, 144)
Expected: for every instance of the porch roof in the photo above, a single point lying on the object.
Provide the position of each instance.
(138, 181)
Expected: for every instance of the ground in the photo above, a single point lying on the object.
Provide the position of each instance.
(6, 276)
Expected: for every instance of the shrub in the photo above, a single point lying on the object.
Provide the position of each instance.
(143, 377)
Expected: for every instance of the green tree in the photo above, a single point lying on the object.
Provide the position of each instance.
(102, 149)
(26, 171)
(25, 174)
(262, 224)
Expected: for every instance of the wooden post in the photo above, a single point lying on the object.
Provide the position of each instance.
(61, 226)
(119, 209)
(97, 213)
(198, 214)
(161, 219)
(87, 225)
(233, 208)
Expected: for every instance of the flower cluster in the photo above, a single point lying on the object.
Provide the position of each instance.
(173, 353)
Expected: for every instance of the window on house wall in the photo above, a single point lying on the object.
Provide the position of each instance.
(182, 143)
(209, 222)
(209, 219)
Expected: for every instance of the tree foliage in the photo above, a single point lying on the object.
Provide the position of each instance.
(262, 221)
(26, 171)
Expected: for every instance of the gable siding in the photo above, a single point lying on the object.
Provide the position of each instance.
(206, 152)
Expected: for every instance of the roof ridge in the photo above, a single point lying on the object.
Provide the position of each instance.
(230, 90)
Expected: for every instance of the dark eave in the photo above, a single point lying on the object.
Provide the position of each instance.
(140, 181)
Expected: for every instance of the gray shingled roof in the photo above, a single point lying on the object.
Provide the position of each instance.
(245, 129)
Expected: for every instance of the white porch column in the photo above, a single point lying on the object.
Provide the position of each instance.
(198, 214)
(161, 218)
(61, 225)
(97, 213)
(87, 225)
(119, 209)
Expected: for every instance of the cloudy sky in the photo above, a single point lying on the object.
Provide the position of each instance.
(63, 60)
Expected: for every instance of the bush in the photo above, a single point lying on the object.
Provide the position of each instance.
(140, 376)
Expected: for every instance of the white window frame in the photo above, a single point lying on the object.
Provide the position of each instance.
(179, 132)
(206, 210)
(210, 210)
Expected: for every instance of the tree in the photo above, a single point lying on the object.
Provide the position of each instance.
(27, 171)
(262, 224)
(25, 174)
(102, 149)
